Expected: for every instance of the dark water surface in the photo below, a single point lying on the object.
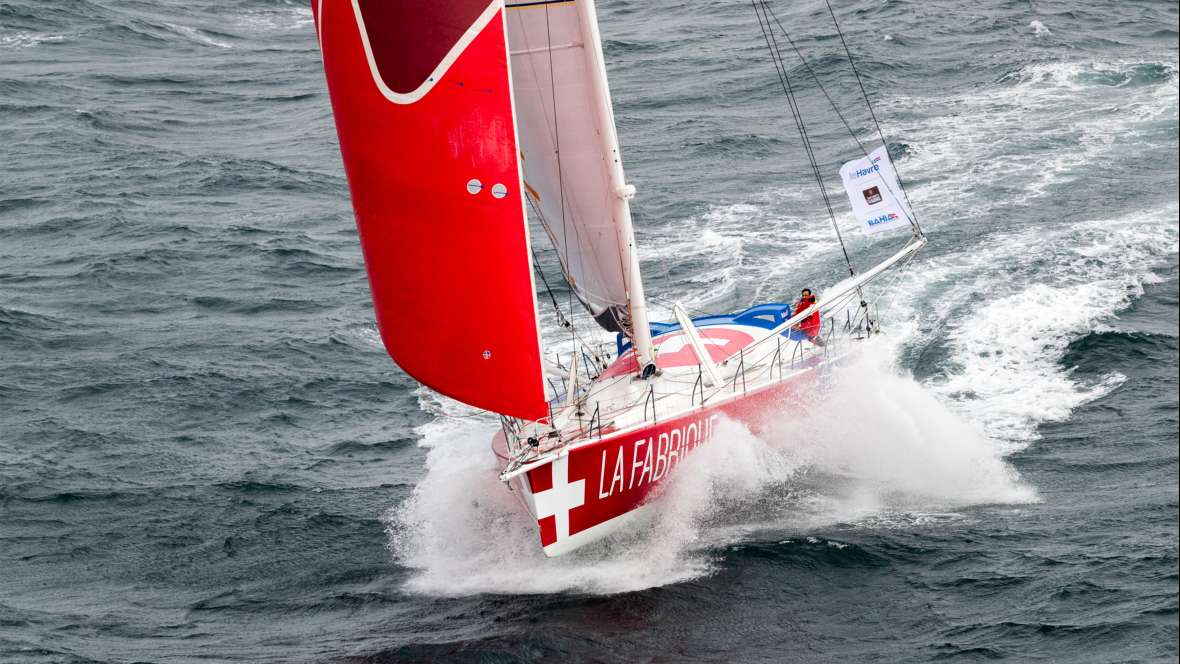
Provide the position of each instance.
(206, 455)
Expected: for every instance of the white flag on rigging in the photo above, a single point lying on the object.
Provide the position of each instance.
(873, 190)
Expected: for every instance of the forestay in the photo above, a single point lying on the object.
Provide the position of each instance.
(422, 100)
(571, 166)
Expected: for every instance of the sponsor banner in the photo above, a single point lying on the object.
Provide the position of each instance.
(875, 195)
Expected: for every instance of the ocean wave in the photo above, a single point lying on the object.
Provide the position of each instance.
(1079, 74)
(1037, 130)
(1009, 314)
(254, 307)
(291, 16)
(201, 36)
(18, 40)
(707, 260)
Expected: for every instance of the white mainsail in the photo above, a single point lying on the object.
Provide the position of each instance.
(572, 169)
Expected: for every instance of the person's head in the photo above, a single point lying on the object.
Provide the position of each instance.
(807, 296)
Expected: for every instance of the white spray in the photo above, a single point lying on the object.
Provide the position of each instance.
(877, 448)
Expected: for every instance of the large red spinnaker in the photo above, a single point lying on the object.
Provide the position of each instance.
(423, 106)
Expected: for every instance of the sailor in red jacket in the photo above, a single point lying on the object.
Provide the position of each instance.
(810, 325)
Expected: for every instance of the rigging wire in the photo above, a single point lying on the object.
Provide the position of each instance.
(569, 229)
(557, 150)
(552, 128)
(562, 320)
(864, 94)
(818, 84)
(814, 77)
(764, 20)
(762, 11)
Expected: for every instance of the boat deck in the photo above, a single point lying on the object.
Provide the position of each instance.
(617, 401)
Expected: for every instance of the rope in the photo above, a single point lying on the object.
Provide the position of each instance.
(865, 95)
(552, 128)
(762, 11)
(836, 110)
(557, 149)
(897, 277)
(561, 319)
(822, 89)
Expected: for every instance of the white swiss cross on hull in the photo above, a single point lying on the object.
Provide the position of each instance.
(562, 497)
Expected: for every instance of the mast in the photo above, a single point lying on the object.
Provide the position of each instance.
(623, 192)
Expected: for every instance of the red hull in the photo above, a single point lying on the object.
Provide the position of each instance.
(580, 496)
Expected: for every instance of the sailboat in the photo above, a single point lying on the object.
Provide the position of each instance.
(456, 119)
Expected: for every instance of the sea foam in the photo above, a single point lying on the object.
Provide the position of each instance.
(877, 449)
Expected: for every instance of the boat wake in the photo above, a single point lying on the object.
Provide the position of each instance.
(878, 450)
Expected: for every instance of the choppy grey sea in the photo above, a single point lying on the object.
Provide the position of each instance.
(206, 455)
